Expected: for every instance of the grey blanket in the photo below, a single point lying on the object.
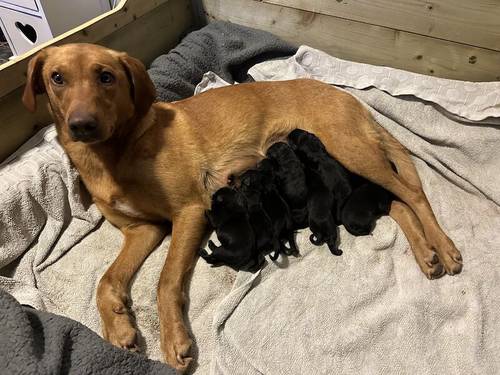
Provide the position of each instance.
(38, 342)
(224, 48)
(54, 245)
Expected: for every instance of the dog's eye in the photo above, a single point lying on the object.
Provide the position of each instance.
(106, 78)
(57, 78)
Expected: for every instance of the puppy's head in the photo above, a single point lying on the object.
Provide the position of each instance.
(279, 151)
(227, 202)
(93, 91)
(306, 145)
(266, 169)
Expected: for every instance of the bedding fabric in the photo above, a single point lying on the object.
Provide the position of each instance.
(371, 311)
(38, 342)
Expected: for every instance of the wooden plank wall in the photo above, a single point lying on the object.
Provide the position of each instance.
(455, 39)
(143, 28)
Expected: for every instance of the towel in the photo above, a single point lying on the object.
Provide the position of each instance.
(371, 310)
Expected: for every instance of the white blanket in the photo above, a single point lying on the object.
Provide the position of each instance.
(369, 311)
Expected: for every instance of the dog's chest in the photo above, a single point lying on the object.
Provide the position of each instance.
(126, 208)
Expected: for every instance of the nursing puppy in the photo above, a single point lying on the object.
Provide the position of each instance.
(319, 206)
(314, 156)
(366, 204)
(229, 217)
(291, 181)
(277, 209)
(266, 240)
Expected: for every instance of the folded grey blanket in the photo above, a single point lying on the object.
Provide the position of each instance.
(38, 342)
(224, 48)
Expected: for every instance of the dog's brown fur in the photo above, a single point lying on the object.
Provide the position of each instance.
(162, 161)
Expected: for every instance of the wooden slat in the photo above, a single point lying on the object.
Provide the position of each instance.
(145, 37)
(464, 21)
(362, 42)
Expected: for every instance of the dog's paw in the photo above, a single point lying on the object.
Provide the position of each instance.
(428, 261)
(120, 332)
(176, 351)
(450, 257)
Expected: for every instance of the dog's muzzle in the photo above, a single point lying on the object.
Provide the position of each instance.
(83, 128)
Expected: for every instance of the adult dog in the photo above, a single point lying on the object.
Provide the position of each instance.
(146, 163)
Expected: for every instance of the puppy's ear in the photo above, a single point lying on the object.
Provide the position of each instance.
(142, 89)
(34, 81)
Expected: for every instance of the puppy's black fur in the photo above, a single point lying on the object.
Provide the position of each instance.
(329, 187)
(313, 154)
(277, 209)
(291, 181)
(321, 221)
(229, 217)
(265, 238)
(365, 205)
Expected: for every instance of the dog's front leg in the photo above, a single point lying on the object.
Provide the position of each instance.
(187, 233)
(117, 324)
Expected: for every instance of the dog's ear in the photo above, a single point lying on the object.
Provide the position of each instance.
(142, 89)
(34, 81)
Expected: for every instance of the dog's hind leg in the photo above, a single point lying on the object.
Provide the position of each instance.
(369, 153)
(412, 228)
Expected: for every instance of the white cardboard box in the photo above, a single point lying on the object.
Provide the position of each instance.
(28, 23)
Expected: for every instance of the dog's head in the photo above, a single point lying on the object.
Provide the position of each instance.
(93, 92)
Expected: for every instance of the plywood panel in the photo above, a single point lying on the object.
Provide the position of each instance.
(469, 22)
(362, 42)
(12, 73)
(146, 37)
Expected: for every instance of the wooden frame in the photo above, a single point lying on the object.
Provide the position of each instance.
(159, 22)
(455, 39)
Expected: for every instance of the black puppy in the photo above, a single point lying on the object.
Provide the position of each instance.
(365, 205)
(266, 241)
(277, 209)
(329, 187)
(321, 221)
(229, 217)
(291, 181)
(313, 154)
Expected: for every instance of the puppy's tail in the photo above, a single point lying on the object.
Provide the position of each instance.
(332, 245)
(316, 239)
(212, 246)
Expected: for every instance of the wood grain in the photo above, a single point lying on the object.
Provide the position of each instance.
(476, 23)
(161, 28)
(358, 41)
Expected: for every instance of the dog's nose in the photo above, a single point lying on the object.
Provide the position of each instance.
(83, 127)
